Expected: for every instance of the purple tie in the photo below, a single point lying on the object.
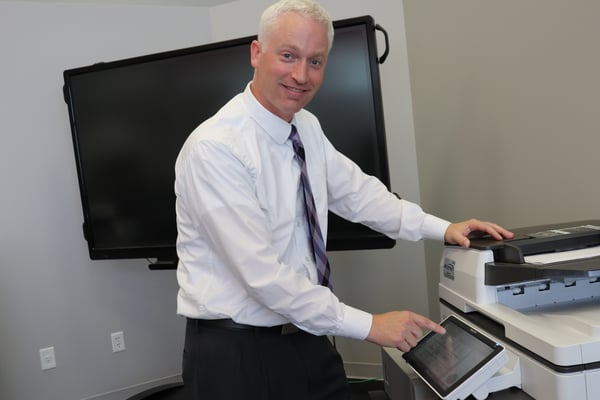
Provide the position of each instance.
(316, 237)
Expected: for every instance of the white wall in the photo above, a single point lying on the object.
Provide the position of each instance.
(51, 294)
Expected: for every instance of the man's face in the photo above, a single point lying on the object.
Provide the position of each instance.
(289, 64)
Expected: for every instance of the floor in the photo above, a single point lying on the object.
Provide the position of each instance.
(369, 389)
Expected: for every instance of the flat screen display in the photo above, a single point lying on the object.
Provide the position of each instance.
(129, 119)
(448, 361)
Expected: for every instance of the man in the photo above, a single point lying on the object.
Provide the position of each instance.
(258, 306)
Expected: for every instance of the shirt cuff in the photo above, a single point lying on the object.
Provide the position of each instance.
(434, 227)
(356, 323)
(415, 224)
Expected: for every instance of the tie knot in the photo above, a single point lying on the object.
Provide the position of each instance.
(297, 143)
(294, 137)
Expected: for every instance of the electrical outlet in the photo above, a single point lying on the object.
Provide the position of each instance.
(118, 341)
(47, 358)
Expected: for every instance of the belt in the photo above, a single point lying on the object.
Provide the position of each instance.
(229, 324)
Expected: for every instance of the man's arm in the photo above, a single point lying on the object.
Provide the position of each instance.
(403, 329)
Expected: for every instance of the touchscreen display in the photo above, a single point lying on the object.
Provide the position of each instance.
(446, 361)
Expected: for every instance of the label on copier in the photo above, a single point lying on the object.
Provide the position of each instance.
(449, 268)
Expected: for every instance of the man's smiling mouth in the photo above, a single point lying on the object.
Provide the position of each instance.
(295, 90)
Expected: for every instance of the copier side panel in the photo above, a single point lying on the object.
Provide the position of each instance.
(541, 382)
(462, 271)
(593, 384)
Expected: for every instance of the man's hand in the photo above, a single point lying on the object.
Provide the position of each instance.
(458, 233)
(400, 329)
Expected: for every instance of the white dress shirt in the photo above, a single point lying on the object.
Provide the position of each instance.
(242, 233)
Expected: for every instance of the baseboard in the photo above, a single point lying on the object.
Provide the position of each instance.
(364, 370)
(130, 391)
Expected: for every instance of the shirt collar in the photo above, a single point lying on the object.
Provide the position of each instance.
(277, 128)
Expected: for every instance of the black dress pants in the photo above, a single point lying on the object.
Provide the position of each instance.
(224, 363)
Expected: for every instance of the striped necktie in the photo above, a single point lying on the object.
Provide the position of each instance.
(316, 237)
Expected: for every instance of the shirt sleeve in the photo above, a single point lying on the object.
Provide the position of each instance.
(356, 324)
(362, 198)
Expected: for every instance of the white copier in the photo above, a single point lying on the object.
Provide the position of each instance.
(538, 295)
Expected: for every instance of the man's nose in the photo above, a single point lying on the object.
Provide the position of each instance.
(300, 72)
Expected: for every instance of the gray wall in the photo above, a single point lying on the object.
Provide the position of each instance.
(51, 294)
(506, 104)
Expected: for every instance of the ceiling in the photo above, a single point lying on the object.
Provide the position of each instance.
(195, 3)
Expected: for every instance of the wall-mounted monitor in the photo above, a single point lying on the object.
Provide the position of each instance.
(129, 119)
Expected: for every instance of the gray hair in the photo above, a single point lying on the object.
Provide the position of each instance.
(307, 8)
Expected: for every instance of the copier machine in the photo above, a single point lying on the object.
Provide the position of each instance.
(539, 295)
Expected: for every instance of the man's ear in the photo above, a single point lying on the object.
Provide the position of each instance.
(254, 53)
